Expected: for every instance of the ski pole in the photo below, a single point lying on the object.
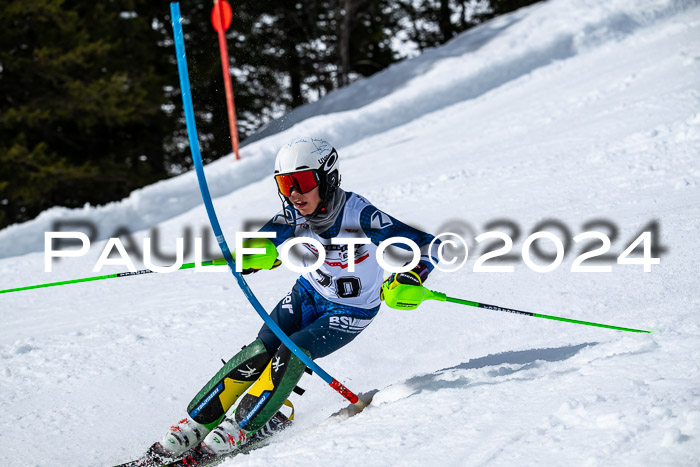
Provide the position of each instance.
(214, 220)
(214, 262)
(412, 296)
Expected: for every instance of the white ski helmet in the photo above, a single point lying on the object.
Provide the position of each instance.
(314, 154)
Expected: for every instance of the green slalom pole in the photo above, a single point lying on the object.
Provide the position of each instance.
(214, 262)
(412, 296)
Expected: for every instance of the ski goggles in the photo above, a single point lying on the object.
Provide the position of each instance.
(303, 182)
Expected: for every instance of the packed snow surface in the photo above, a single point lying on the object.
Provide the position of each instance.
(585, 114)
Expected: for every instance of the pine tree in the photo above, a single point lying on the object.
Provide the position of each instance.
(90, 105)
(81, 116)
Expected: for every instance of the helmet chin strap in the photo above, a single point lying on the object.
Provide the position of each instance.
(321, 208)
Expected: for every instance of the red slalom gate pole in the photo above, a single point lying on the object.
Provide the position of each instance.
(221, 20)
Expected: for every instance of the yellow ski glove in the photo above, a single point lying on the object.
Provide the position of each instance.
(404, 290)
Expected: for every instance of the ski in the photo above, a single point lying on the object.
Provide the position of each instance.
(201, 456)
(151, 459)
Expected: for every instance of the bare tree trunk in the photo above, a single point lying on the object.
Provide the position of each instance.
(293, 25)
(445, 22)
(345, 13)
(294, 76)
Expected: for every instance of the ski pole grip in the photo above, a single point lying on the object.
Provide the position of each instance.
(433, 295)
(345, 392)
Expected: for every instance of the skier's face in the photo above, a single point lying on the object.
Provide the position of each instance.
(307, 203)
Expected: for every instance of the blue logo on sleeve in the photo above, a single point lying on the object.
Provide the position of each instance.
(380, 220)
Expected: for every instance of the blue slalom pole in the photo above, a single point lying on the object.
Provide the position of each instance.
(214, 221)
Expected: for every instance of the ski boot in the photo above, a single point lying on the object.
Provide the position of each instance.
(225, 438)
(178, 441)
(228, 439)
(183, 437)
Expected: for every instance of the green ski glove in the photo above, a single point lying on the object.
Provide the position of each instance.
(256, 262)
(404, 291)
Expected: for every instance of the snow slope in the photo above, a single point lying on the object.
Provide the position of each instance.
(574, 111)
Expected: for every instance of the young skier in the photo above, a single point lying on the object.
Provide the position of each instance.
(325, 310)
